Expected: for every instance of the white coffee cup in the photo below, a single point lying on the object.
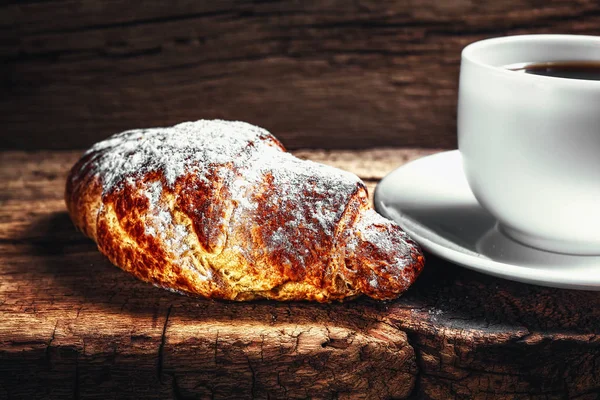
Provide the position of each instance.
(531, 144)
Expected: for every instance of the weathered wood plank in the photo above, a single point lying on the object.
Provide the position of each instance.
(75, 326)
(318, 74)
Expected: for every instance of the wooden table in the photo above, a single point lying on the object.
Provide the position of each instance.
(353, 73)
(72, 325)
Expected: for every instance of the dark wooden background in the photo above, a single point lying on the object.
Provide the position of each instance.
(322, 73)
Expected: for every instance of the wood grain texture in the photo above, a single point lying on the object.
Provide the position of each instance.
(74, 326)
(321, 74)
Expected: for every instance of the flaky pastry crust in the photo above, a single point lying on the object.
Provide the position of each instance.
(219, 209)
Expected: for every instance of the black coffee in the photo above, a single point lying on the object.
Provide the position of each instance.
(589, 70)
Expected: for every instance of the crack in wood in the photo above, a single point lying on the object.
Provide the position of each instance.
(176, 389)
(253, 376)
(161, 347)
(134, 23)
(50, 341)
(216, 347)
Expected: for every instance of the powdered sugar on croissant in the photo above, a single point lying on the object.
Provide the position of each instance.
(220, 209)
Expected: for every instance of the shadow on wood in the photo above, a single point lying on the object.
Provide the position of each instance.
(202, 347)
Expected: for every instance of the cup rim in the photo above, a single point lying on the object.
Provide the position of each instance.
(467, 54)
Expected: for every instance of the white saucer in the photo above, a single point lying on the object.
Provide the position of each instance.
(431, 200)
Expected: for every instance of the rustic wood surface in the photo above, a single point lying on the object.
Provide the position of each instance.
(74, 326)
(320, 74)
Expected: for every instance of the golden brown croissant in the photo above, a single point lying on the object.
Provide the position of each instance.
(219, 209)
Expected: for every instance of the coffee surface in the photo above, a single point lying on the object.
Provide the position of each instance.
(587, 70)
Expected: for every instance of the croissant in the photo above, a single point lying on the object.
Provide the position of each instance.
(219, 209)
